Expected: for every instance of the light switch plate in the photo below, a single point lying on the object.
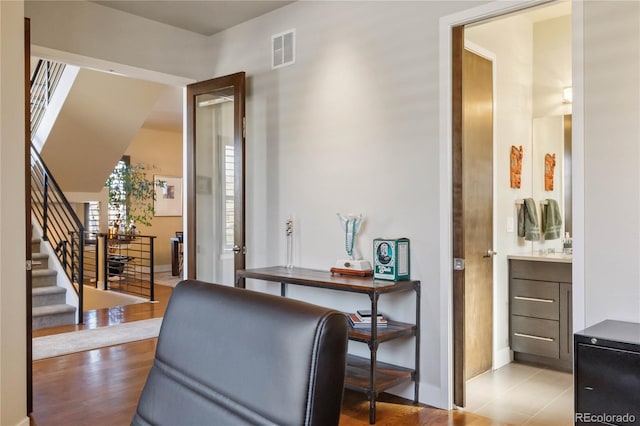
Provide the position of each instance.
(509, 224)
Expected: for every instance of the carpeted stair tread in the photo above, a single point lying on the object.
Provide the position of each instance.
(47, 296)
(44, 277)
(40, 291)
(49, 307)
(52, 316)
(35, 245)
(40, 260)
(44, 273)
(52, 310)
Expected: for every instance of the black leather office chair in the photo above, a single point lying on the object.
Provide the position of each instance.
(230, 356)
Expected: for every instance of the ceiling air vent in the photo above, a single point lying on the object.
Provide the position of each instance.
(283, 49)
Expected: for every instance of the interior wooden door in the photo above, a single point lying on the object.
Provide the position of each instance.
(215, 238)
(472, 118)
(477, 181)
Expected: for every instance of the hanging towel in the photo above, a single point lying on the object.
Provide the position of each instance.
(528, 221)
(551, 220)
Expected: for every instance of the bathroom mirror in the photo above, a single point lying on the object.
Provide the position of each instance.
(551, 169)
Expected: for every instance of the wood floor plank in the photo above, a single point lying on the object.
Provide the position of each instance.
(102, 386)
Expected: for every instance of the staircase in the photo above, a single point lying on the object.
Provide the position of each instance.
(60, 226)
(49, 300)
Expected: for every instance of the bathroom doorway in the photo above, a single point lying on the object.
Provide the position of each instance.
(514, 39)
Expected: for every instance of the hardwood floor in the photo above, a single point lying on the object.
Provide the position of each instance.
(102, 386)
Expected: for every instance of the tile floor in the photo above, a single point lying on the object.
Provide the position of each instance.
(521, 394)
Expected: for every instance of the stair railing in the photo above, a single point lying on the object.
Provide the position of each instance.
(43, 83)
(127, 264)
(61, 226)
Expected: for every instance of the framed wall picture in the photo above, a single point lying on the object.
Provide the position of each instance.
(168, 196)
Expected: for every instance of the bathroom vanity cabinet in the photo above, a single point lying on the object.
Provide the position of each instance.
(540, 324)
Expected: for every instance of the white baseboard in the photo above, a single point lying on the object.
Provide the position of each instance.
(429, 394)
(432, 395)
(501, 358)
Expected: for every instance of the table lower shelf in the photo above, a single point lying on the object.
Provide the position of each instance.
(393, 330)
(387, 375)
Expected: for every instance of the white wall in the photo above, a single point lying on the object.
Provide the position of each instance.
(611, 150)
(13, 354)
(352, 127)
(551, 66)
(551, 73)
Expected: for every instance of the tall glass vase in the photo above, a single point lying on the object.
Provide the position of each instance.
(289, 235)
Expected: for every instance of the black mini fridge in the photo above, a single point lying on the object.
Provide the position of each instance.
(607, 374)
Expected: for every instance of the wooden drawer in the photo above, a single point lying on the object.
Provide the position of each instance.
(543, 271)
(539, 299)
(535, 336)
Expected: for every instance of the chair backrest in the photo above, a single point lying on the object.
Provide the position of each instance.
(230, 356)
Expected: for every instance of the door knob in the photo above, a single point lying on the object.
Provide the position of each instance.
(236, 249)
(490, 253)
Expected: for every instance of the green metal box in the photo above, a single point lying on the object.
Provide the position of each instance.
(391, 259)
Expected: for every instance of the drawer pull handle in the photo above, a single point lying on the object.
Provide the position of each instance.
(529, 336)
(533, 299)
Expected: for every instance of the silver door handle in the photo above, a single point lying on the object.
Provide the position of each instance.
(236, 249)
(490, 253)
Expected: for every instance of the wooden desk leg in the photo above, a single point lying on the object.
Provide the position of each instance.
(373, 347)
(417, 343)
(372, 408)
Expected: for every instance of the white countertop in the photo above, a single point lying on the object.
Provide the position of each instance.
(549, 257)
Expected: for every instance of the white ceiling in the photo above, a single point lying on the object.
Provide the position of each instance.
(205, 17)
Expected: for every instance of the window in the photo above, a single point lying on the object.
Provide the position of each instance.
(117, 211)
(93, 224)
(228, 191)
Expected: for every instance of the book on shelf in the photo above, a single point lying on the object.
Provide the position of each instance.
(358, 322)
(367, 318)
(364, 313)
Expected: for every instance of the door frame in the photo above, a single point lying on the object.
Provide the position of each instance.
(238, 82)
(446, 25)
(27, 206)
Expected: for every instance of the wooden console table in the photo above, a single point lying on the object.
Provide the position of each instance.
(364, 375)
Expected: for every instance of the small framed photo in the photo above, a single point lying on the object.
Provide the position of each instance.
(168, 196)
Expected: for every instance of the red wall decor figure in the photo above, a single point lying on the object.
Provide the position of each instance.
(549, 168)
(516, 166)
